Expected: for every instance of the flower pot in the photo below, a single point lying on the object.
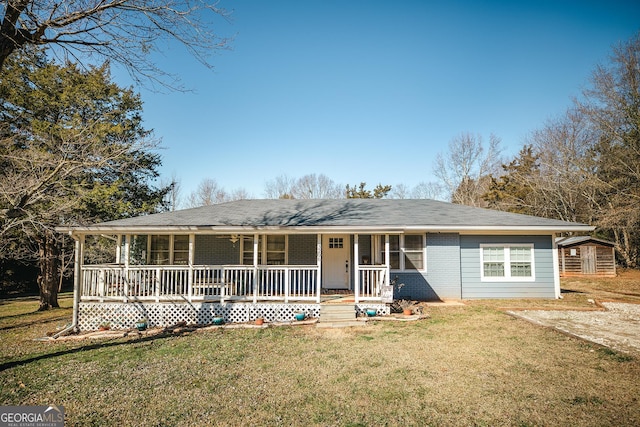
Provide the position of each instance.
(103, 328)
(371, 312)
(259, 321)
(407, 312)
(299, 316)
(218, 320)
(141, 326)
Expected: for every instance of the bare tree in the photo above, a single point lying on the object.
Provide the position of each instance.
(208, 193)
(565, 188)
(173, 199)
(280, 187)
(309, 186)
(123, 31)
(428, 190)
(464, 168)
(612, 105)
(399, 191)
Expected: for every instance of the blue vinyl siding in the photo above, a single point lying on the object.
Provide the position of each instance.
(470, 269)
(442, 276)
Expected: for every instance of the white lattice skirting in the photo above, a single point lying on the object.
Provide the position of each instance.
(124, 315)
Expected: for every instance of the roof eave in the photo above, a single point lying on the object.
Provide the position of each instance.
(500, 229)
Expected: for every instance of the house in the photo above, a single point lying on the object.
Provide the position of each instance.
(270, 258)
(586, 256)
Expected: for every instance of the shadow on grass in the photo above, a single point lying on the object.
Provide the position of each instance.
(21, 362)
(35, 322)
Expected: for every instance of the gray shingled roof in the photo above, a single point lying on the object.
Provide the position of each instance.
(578, 240)
(360, 213)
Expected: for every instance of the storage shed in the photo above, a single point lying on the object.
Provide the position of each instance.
(586, 256)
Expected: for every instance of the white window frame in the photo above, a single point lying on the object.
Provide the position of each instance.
(379, 250)
(507, 263)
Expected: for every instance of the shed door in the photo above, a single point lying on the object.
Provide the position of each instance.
(588, 259)
(335, 261)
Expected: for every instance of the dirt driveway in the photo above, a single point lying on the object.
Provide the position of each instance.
(617, 327)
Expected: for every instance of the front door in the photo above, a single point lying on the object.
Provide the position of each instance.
(336, 261)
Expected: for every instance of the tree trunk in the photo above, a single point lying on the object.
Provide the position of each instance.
(48, 251)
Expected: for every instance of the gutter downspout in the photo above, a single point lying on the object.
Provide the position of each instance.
(76, 289)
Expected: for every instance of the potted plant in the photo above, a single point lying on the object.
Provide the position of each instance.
(259, 321)
(300, 315)
(142, 324)
(218, 320)
(407, 307)
(371, 312)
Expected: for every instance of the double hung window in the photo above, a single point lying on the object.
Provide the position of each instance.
(406, 251)
(507, 262)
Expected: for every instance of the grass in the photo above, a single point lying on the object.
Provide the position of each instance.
(469, 365)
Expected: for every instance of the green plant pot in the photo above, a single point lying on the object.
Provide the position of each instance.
(218, 320)
(371, 312)
(141, 326)
(300, 316)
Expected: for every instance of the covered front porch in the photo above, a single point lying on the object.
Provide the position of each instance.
(269, 268)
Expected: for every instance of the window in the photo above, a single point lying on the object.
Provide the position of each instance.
(406, 252)
(181, 250)
(166, 249)
(336, 243)
(272, 248)
(276, 250)
(507, 262)
(247, 250)
(159, 251)
(413, 252)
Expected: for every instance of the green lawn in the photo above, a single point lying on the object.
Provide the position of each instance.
(468, 365)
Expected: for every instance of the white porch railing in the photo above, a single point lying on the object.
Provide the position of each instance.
(371, 278)
(199, 283)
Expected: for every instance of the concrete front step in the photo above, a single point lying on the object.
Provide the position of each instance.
(337, 313)
(341, 324)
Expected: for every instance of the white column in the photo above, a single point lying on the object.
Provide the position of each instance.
(356, 269)
(387, 262)
(192, 255)
(77, 277)
(256, 248)
(319, 263)
(127, 244)
(118, 249)
(556, 266)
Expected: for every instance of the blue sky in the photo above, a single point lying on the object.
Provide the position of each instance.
(370, 90)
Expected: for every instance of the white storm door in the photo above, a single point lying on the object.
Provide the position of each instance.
(336, 262)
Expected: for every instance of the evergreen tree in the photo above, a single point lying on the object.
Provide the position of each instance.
(72, 150)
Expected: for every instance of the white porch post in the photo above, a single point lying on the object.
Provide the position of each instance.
(319, 263)
(387, 262)
(556, 268)
(256, 247)
(77, 277)
(356, 269)
(119, 249)
(192, 239)
(127, 244)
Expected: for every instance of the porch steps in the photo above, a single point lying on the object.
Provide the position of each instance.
(337, 315)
